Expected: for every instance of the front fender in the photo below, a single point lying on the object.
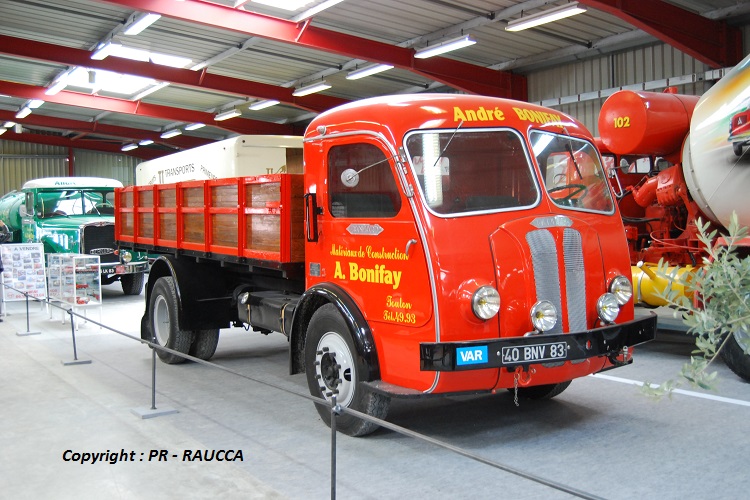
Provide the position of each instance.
(314, 298)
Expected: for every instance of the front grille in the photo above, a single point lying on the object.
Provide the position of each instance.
(99, 239)
(544, 259)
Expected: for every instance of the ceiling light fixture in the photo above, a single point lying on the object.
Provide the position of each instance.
(226, 115)
(129, 147)
(171, 133)
(9, 124)
(3, 130)
(23, 112)
(141, 23)
(447, 46)
(263, 104)
(311, 89)
(315, 10)
(104, 50)
(145, 142)
(545, 16)
(368, 71)
(58, 84)
(195, 126)
(34, 103)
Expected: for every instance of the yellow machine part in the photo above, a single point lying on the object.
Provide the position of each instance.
(646, 284)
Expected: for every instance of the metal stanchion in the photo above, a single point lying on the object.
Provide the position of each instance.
(28, 327)
(152, 412)
(75, 361)
(334, 413)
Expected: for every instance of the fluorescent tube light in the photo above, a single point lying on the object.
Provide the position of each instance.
(145, 142)
(9, 124)
(311, 89)
(141, 23)
(226, 115)
(3, 130)
(447, 46)
(105, 50)
(34, 103)
(545, 16)
(263, 104)
(57, 85)
(23, 112)
(195, 126)
(171, 133)
(368, 71)
(129, 147)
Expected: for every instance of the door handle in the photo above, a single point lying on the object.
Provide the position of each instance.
(311, 217)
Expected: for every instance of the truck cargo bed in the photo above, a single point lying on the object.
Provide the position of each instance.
(244, 218)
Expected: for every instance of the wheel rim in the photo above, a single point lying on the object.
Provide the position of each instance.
(161, 320)
(334, 368)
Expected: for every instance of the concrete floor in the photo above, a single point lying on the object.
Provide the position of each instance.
(600, 437)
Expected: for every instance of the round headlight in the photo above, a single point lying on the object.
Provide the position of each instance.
(607, 307)
(543, 316)
(622, 289)
(485, 302)
(126, 257)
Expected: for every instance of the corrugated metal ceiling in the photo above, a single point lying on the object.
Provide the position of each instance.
(84, 24)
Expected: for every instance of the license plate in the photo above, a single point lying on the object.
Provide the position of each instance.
(534, 353)
(120, 270)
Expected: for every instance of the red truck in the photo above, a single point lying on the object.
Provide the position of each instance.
(434, 245)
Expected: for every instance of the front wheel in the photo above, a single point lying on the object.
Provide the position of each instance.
(735, 357)
(163, 314)
(132, 284)
(332, 366)
(542, 391)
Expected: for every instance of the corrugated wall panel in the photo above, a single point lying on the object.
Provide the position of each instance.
(21, 161)
(98, 164)
(654, 62)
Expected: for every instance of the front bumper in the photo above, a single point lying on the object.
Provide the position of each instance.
(536, 349)
(130, 268)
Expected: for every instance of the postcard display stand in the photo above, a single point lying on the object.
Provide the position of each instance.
(24, 272)
(75, 281)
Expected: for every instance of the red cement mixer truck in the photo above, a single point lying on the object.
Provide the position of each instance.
(673, 159)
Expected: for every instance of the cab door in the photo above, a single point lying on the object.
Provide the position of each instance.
(367, 238)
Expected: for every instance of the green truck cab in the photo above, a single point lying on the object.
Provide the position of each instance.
(74, 215)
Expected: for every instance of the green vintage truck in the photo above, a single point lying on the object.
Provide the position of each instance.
(73, 215)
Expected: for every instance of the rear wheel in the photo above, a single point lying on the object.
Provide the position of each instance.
(542, 391)
(332, 366)
(734, 356)
(132, 284)
(163, 314)
(204, 345)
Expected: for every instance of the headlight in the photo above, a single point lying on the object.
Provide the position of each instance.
(622, 289)
(543, 316)
(485, 302)
(607, 307)
(126, 257)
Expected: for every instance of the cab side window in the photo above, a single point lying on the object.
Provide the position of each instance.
(362, 183)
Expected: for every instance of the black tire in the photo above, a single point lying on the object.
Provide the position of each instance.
(735, 358)
(332, 364)
(162, 316)
(542, 391)
(737, 148)
(204, 344)
(132, 284)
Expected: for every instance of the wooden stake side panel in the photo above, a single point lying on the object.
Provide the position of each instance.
(259, 217)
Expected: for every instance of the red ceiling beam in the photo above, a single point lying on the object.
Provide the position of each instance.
(236, 125)
(107, 147)
(464, 76)
(68, 56)
(712, 42)
(113, 131)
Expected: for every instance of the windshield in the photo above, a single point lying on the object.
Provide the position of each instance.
(465, 171)
(74, 202)
(572, 172)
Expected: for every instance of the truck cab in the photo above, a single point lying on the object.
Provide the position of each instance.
(74, 215)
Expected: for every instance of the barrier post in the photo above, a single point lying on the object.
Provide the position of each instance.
(75, 361)
(152, 412)
(334, 413)
(28, 324)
